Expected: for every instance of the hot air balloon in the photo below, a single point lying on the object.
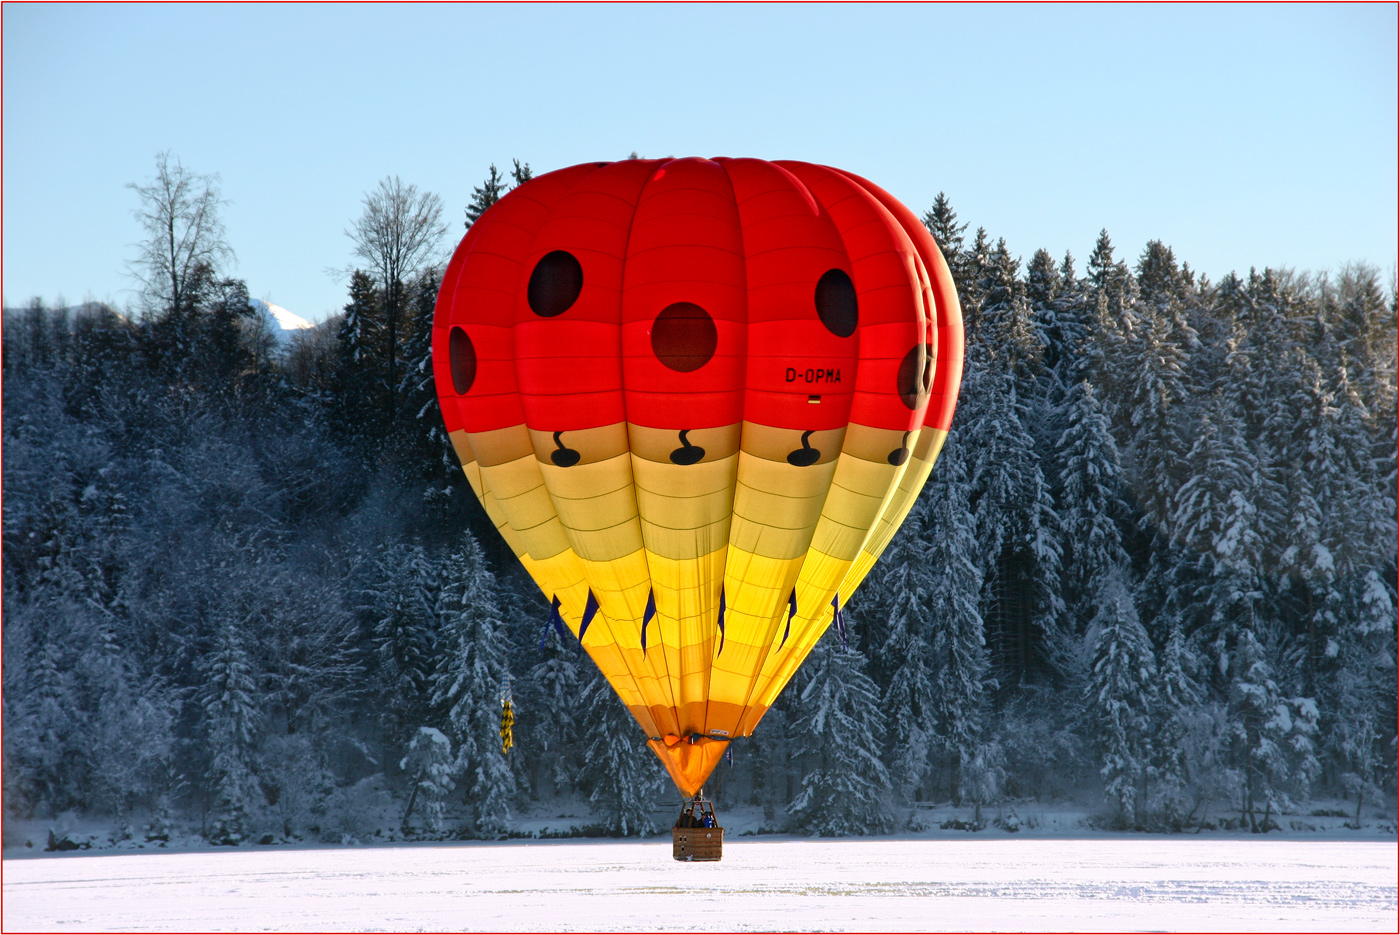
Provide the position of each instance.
(697, 397)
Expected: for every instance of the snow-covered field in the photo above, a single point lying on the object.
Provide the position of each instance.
(786, 884)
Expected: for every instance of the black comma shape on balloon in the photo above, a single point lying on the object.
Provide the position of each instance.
(687, 453)
(900, 454)
(564, 456)
(806, 456)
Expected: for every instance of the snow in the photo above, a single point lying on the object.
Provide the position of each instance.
(1036, 884)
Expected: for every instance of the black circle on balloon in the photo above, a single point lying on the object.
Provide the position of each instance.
(836, 303)
(461, 359)
(555, 284)
(684, 337)
(911, 381)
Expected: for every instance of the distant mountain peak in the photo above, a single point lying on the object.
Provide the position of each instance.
(285, 321)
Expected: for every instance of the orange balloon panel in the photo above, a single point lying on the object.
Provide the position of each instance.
(697, 397)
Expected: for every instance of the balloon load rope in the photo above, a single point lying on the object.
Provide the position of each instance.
(695, 737)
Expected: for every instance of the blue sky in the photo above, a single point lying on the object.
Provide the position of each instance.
(1246, 135)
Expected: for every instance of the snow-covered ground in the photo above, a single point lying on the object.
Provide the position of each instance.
(764, 883)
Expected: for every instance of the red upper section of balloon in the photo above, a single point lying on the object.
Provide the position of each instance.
(693, 293)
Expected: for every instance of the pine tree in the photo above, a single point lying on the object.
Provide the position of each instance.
(1160, 281)
(845, 786)
(1070, 351)
(35, 351)
(1359, 698)
(1259, 722)
(403, 605)
(973, 263)
(548, 709)
(620, 776)
(232, 723)
(1048, 293)
(1123, 694)
(430, 766)
(1366, 327)
(1179, 716)
(769, 760)
(1090, 486)
(959, 686)
(1008, 406)
(942, 222)
(1017, 527)
(471, 677)
(129, 731)
(358, 381)
(1319, 488)
(487, 193)
(1156, 350)
(907, 582)
(1217, 520)
(46, 728)
(1107, 276)
(1008, 333)
(422, 446)
(1110, 294)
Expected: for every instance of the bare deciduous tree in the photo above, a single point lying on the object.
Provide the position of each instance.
(398, 232)
(397, 235)
(184, 234)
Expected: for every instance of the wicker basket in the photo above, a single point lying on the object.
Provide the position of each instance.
(697, 843)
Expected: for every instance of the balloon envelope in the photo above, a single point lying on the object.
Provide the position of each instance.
(697, 397)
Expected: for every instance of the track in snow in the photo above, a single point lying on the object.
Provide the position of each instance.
(1155, 884)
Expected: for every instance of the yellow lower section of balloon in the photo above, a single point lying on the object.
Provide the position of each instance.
(754, 530)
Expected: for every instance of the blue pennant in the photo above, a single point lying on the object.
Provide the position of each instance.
(646, 619)
(839, 619)
(721, 622)
(555, 619)
(558, 620)
(590, 609)
(792, 612)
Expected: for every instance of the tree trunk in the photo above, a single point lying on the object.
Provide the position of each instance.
(174, 276)
(393, 297)
(412, 799)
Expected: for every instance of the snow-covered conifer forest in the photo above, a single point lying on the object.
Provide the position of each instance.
(248, 592)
